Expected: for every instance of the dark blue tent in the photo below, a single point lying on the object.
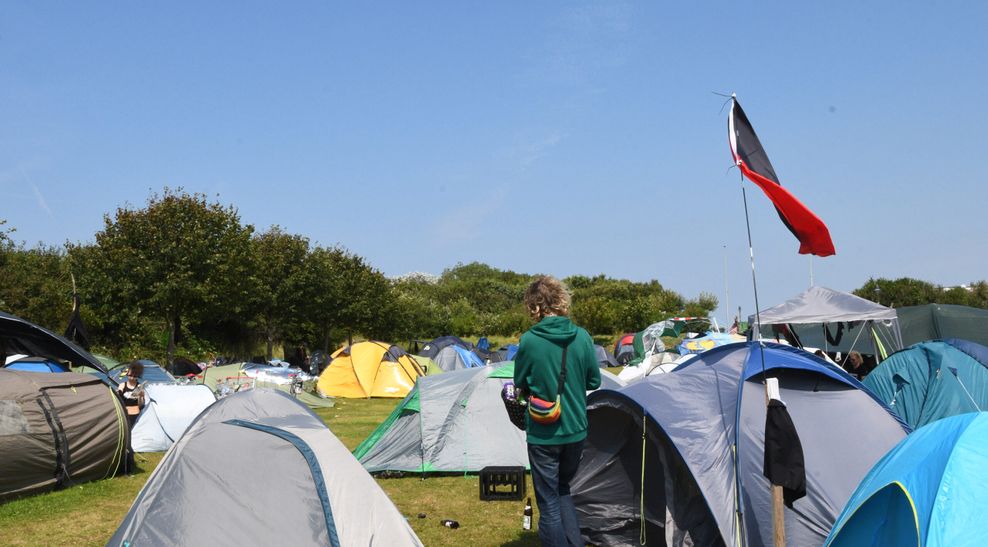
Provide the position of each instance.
(433, 348)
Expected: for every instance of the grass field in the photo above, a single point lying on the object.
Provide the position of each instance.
(88, 514)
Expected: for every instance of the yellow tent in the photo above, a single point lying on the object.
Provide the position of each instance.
(369, 369)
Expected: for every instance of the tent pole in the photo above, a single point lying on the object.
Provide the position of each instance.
(778, 515)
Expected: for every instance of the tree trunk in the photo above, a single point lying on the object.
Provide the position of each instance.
(171, 343)
(325, 342)
(270, 340)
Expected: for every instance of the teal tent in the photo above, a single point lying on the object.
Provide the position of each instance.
(933, 380)
(930, 490)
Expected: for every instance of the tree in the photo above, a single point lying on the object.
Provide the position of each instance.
(179, 258)
(281, 274)
(34, 284)
(348, 296)
(904, 291)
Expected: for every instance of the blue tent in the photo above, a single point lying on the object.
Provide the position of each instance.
(933, 380)
(454, 357)
(432, 348)
(36, 365)
(688, 448)
(930, 490)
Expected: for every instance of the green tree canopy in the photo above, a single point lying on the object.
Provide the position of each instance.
(907, 291)
(179, 258)
(282, 275)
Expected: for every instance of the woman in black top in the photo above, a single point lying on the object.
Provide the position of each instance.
(132, 392)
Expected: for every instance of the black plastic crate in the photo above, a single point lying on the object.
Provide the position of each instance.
(502, 483)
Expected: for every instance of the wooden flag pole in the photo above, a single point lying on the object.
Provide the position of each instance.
(778, 518)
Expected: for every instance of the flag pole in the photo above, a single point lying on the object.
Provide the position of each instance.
(727, 290)
(778, 514)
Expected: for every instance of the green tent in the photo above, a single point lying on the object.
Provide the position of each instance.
(428, 365)
(937, 321)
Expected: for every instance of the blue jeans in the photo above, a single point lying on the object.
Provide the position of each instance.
(553, 467)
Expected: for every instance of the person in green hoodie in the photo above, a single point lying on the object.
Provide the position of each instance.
(555, 450)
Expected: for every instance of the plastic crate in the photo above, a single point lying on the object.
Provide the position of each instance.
(502, 483)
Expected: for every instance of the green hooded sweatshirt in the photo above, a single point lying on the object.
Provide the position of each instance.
(537, 366)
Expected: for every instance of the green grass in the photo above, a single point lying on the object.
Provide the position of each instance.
(88, 514)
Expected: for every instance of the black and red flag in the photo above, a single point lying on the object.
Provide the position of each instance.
(812, 233)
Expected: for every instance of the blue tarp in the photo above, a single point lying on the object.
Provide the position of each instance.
(933, 380)
(930, 490)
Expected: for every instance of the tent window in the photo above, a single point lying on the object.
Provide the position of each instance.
(12, 420)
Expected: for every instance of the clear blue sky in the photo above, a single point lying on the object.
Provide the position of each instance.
(556, 137)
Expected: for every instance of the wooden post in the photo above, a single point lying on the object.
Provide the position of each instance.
(778, 517)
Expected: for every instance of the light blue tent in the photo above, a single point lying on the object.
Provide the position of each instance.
(930, 490)
(933, 380)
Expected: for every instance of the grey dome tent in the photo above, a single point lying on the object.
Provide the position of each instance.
(57, 430)
(454, 422)
(835, 321)
(604, 357)
(453, 357)
(258, 468)
(703, 450)
(434, 346)
(168, 411)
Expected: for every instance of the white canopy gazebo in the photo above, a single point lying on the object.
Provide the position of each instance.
(826, 319)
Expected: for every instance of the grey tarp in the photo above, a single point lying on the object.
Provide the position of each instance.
(57, 430)
(258, 468)
(817, 309)
(937, 321)
(691, 431)
(454, 422)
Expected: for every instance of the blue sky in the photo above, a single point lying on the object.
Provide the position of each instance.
(564, 138)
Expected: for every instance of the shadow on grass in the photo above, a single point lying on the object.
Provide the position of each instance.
(524, 539)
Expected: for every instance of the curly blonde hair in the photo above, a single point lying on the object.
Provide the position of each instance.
(547, 295)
